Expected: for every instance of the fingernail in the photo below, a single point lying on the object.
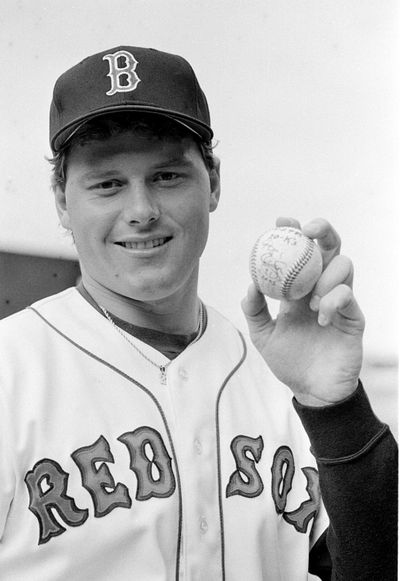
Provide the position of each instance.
(323, 320)
(314, 302)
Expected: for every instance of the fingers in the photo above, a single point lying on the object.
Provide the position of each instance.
(326, 236)
(285, 221)
(324, 232)
(320, 230)
(339, 271)
(256, 311)
(332, 296)
(340, 309)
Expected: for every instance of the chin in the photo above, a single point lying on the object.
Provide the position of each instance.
(156, 285)
(149, 292)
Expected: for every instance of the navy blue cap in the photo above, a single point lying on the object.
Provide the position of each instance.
(128, 78)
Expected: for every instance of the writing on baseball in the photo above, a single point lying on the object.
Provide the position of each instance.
(285, 264)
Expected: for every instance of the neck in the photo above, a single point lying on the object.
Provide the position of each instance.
(177, 314)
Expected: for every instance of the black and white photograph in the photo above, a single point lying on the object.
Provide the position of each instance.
(199, 290)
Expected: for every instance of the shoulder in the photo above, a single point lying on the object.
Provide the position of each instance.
(27, 322)
(226, 337)
(222, 336)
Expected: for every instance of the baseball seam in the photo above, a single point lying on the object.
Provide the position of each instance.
(296, 268)
(253, 266)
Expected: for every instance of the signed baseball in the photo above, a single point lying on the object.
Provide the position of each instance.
(285, 264)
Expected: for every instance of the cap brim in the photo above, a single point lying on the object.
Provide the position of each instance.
(200, 130)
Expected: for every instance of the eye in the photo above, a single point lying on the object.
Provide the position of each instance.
(167, 176)
(108, 184)
(106, 187)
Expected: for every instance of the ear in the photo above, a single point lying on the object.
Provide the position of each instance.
(215, 185)
(61, 206)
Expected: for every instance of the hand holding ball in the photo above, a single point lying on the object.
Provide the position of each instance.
(285, 264)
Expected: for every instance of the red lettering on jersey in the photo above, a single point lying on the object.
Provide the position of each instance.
(246, 481)
(300, 517)
(97, 480)
(150, 462)
(283, 470)
(282, 476)
(47, 486)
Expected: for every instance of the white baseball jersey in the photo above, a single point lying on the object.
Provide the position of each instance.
(107, 474)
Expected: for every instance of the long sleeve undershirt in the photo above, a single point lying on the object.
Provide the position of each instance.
(358, 469)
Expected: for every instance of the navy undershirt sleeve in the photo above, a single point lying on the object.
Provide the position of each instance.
(358, 467)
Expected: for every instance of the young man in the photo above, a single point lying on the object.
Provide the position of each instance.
(142, 437)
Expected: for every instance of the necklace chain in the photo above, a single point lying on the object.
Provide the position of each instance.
(162, 368)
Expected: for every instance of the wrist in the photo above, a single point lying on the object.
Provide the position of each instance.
(342, 430)
(327, 397)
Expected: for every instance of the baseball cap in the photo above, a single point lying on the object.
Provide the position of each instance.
(127, 78)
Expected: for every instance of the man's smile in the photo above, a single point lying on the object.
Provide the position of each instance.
(144, 244)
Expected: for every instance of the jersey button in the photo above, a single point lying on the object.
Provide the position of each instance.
(203, 525)
(183, 374)
(198, 447)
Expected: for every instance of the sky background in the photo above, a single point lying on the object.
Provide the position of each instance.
(304, 99)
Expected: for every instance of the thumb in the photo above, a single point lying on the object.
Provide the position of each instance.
(256, 311)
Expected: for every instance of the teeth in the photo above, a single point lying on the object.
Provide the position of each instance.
(144, 245)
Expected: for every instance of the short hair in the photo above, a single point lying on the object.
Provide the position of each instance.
(105, 126)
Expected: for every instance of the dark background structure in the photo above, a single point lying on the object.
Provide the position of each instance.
(26, 278)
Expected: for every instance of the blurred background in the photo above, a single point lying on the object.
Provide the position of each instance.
(304, 98)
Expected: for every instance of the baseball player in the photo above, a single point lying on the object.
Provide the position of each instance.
(141, 435)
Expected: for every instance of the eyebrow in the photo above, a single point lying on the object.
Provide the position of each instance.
(98, 173)
(181, 160)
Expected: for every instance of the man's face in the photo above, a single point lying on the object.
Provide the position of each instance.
(138, 208)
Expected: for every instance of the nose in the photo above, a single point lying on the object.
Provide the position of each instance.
(140, 206)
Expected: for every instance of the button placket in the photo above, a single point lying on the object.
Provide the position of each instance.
(183, 374)
(198, 447)
(203, 525)
(193, 410)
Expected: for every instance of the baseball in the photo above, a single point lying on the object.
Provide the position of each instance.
(285, 264)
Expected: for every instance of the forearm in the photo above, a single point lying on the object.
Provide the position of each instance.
(357, 462)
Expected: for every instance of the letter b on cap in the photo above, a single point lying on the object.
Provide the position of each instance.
(123, 78)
